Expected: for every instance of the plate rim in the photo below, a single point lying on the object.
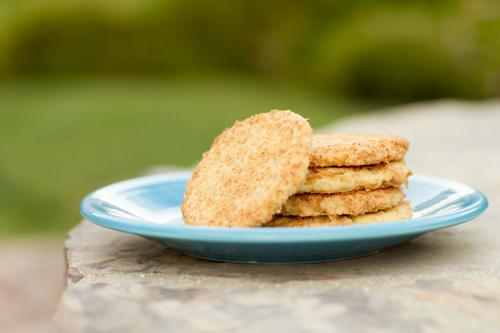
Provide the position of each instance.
(278, 235)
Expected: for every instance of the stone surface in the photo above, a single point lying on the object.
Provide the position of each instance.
(447, 280)
(31, 282)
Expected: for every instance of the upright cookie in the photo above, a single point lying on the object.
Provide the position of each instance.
(249, 172)
(354, 149)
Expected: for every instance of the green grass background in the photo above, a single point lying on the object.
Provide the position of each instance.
(62, 138)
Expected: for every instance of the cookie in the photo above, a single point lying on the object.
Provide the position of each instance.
(352, 203)
(346, 179)
(403, 211)
(249, 172)
(354, 149)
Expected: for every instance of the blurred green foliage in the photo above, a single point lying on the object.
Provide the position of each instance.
(62, 139)
(390, 51)
(67, 127)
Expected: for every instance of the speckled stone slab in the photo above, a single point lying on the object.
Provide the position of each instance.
(445, 281)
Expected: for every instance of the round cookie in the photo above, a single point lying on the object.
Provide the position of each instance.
(352, 203)
(250, 170)
(403, 211)
(353, 149)
(347, 179)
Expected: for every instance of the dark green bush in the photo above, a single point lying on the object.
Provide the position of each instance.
(378, 50)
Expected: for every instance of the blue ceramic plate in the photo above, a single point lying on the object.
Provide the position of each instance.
(150, 207)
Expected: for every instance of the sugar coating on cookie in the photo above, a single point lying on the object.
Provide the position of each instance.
(354, 149)
(250, 170)
(403, 211)
(351, 203)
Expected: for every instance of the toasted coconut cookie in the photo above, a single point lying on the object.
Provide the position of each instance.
(346, 179)
(351, 203)
(249, 172)
(348, 149)
(403, 211)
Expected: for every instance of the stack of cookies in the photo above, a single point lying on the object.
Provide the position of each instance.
(352, 179)
(270, 171)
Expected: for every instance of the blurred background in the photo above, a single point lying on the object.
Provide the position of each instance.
(93, 92)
